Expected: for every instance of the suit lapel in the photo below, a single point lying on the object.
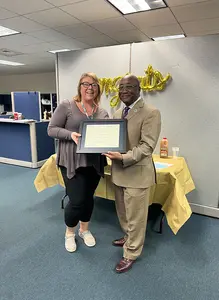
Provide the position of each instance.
(135, 109)
(118, 114)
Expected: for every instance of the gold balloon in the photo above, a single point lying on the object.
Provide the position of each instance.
(153, 80)
(114, 101)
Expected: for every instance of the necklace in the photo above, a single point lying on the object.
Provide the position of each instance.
(85, 111)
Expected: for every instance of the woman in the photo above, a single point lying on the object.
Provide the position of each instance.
(81, 172)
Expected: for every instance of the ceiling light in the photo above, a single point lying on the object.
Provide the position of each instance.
(133, 6)
(6, 31)
(168, 37)
(57, 51)
(127, 7)
(10, 63)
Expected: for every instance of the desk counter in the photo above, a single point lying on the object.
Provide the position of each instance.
(25, 142)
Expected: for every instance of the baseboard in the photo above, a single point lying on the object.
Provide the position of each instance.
(40, 163)
(205, 210)
(16, 162)
(22, 163)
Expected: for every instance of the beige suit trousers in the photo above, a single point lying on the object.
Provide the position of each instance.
(132, 210)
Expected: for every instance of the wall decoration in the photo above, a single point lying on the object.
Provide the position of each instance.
(153, 80)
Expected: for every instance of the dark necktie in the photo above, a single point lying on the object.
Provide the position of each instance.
(125, 111)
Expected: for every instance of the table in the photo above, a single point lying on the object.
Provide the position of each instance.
(173, 183)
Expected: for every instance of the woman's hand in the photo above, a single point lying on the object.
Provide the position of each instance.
(75, 136)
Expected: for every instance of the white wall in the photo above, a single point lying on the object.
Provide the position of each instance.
(105, 62)
(189, 105)
(42, 82)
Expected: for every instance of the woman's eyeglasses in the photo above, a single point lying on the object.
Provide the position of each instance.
(87, 85)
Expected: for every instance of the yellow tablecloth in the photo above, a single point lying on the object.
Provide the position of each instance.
(173, 183)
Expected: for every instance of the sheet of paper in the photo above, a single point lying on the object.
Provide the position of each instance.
(159, 165)
(102, 136)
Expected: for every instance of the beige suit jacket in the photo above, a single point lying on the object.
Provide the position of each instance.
(143, 130)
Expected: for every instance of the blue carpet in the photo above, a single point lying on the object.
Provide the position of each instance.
(34, 264)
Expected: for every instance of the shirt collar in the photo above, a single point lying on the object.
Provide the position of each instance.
(133, 104)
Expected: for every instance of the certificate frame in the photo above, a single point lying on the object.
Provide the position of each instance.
(84, 125)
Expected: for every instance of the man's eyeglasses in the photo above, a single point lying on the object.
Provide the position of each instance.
(87, 85)
(128, 87)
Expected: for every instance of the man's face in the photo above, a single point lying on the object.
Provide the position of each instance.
(129, 90)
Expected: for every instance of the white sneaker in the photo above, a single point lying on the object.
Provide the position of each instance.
(70, 244)
(88, 238)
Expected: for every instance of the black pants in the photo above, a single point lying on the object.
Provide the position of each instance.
(80, 190)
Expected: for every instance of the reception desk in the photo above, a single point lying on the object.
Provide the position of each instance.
(25, 142)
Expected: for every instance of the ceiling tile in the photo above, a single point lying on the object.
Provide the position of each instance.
(164, 30)
(112, 25)
(39, 48)
(203, 10)
(203, 33)
(71, 44)
(91, 10)
(152, 18)
(98, 40)
(53, 18)
(25, 6)
(45, 55)
(205, 25)
(22, 24)
(3, 57)
(30, 67)
(36, 48)
(20, 39)
(182, 2)
(32, 58)
(64, 2)
(49, 35)
(129, 36)
(6, 14)
(77, 31)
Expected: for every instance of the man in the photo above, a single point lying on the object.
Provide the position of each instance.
(134, 172)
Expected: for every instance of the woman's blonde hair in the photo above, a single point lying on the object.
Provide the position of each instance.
(95, 78)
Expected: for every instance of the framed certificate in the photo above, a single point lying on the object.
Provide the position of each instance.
(101, 136)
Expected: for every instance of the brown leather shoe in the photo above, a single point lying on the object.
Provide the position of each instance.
(124, 265)
(119, 242)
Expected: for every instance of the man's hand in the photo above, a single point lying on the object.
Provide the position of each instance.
(113, 155)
